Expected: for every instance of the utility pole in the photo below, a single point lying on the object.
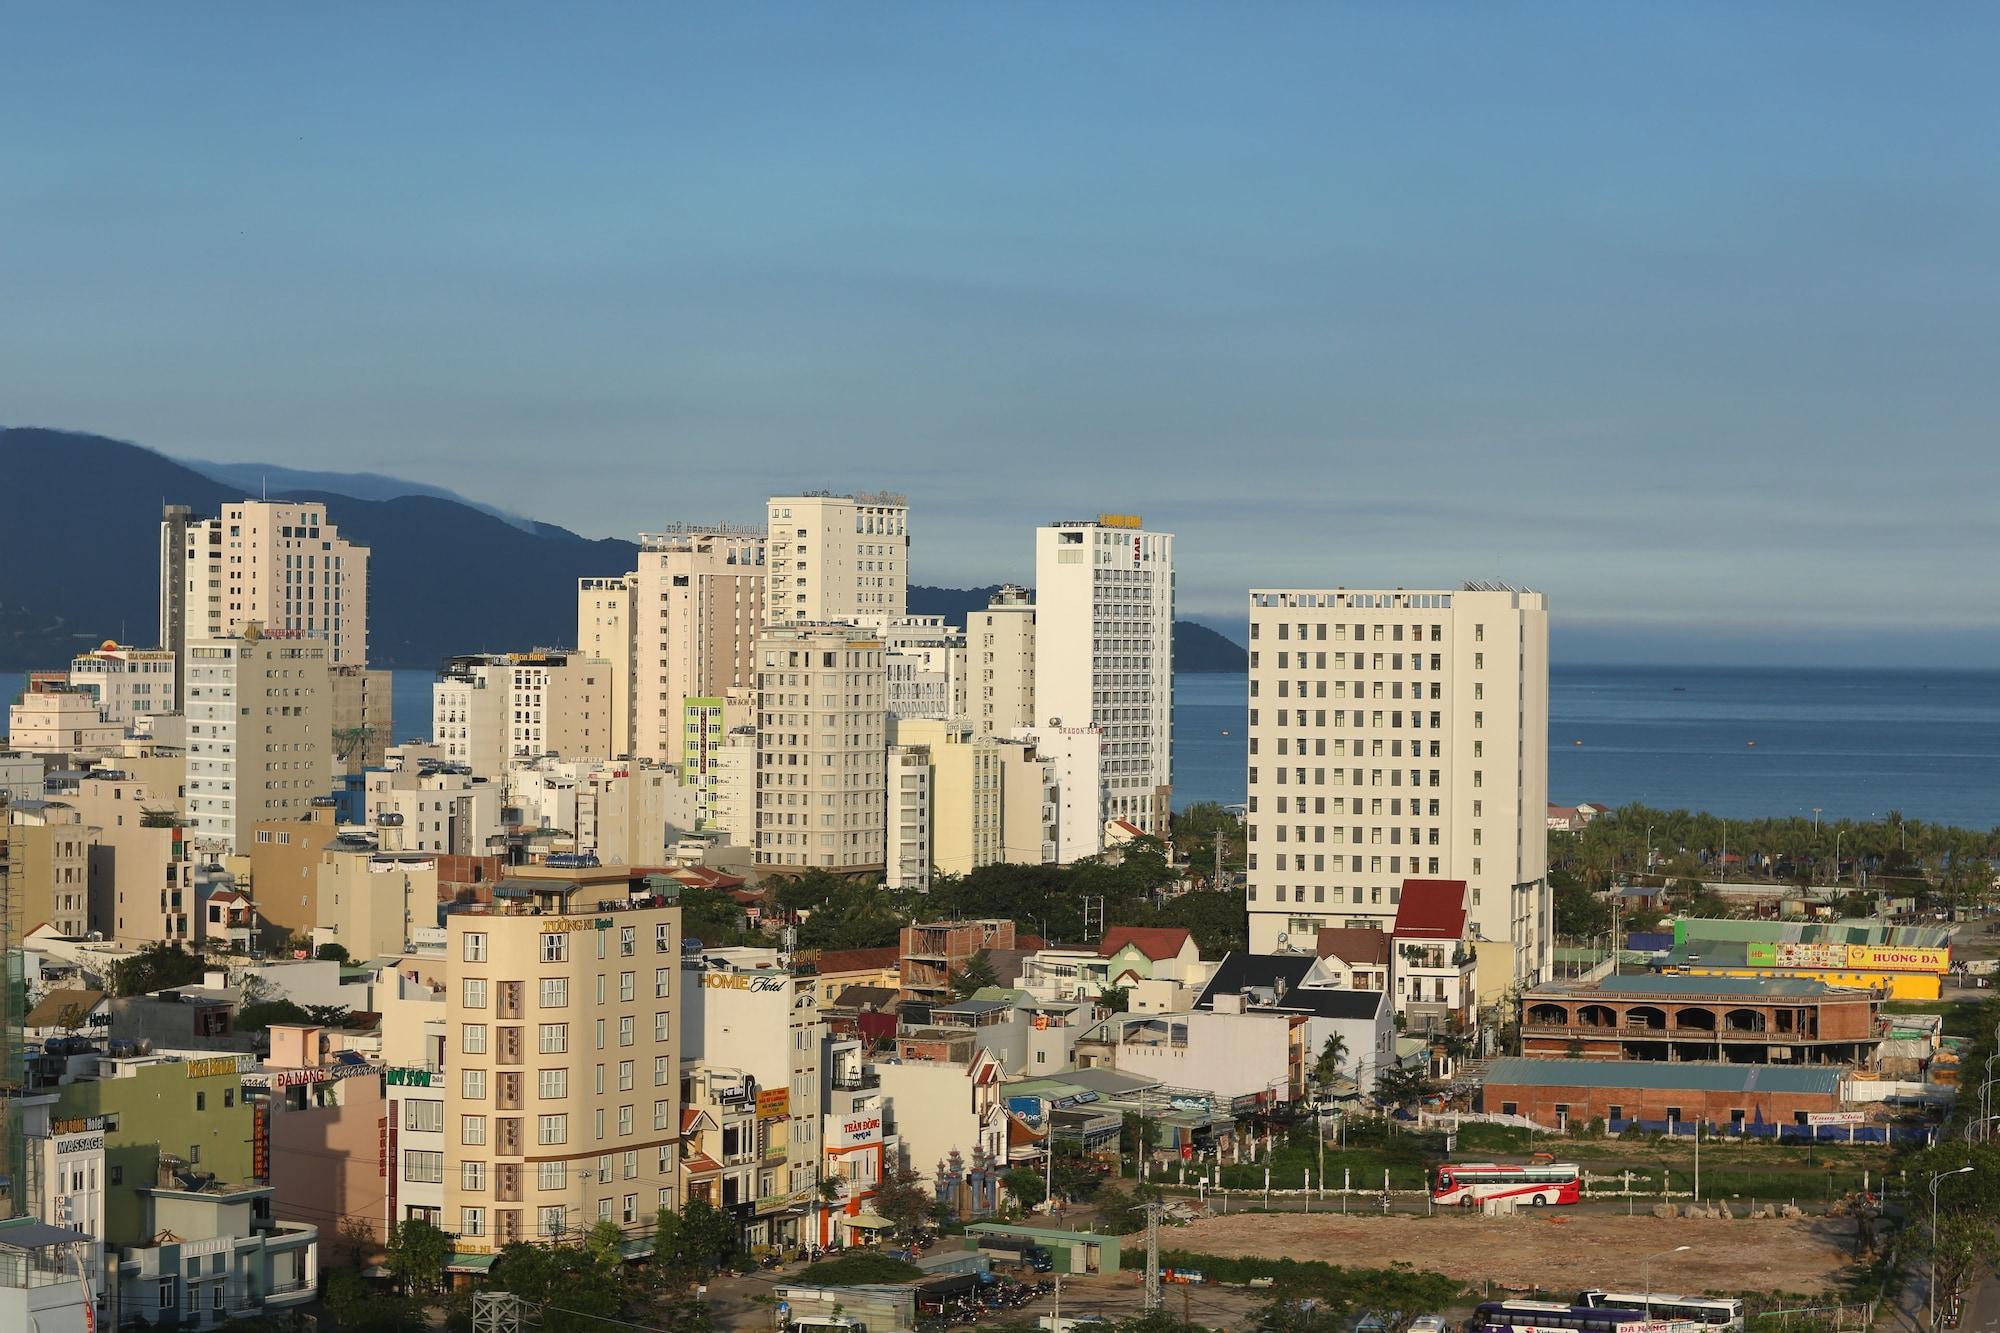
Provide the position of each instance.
(1152, 1254)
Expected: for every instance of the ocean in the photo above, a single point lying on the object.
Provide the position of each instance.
(1855, 743)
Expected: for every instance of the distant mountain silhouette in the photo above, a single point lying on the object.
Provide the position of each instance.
(79, 560)
(254, 478)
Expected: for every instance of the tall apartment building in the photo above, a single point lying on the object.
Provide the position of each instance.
(697, 608)
(278, 563)
(488, 709)
(47, 869)
(127, 683)
(604, 626)
(909, 833)
(562, 1106)
(838, 558)
(924, 662)
(1104, 653)
(1397, 735)
(821, 749)
(989, 797)
(174, 553)
(1000, 663)
(362, 722)
(259, 738)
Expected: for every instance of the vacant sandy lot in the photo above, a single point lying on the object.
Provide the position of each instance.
(1558, 1252)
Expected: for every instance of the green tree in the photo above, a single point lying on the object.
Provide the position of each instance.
(1115, 999)
(360, 1308)
(158, 967)
(1327, 1067)
(418, 1253)
(576, 1286)
(1579, 912)
(976, 975)
(1966, 1250)
(1027, 1186)
(901, 1198)
(1303, 1315)
(332, 953)
(1217, 918)
(1397, 1086)
(259, 1017)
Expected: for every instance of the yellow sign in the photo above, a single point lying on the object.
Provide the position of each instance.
(741, 981)
(774, 1104)
(1120, 521)
(215, 1068)
(1882, 958)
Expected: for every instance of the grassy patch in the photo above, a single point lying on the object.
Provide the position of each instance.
(1400, 1288)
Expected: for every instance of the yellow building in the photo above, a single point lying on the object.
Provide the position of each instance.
(562, 1102)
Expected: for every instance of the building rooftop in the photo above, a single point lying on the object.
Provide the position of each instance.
(1156, 942)
(1653, 1075)
(1652, 984)
(1431, 909)
(1354, 944)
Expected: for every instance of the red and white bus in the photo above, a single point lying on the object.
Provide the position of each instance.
(1468, 1183)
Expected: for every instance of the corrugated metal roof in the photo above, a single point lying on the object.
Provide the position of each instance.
(1662, 1076)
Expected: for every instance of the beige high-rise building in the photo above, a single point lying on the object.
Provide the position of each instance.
(682, 626)
(1104, 653)
(488, 709)
(821, 781)
(697, 608)
(141, 877)
(127, 683)
(362, 726)
(278, 563)
(259, 743)
(1400, 735)
(1000, 663)
(604, 629)
(988, 797)
(561, 1108)
(47, 872)
(838, 558)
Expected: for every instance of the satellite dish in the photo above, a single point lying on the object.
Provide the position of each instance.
(1284, 939)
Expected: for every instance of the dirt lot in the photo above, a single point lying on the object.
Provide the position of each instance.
(1562, 1251)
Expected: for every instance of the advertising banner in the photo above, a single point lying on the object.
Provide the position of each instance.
(1883, 958)
(1830, 956)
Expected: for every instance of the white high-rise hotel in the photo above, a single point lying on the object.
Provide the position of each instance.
(1398, 735)
(1104, 653)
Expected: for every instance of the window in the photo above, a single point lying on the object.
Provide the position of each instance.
(628, 1165)
(1614, 1112)
(552, 1129)
(662, 1027)
(1673, 1114)
(624, 1076)
(554, 1038)
(474, 993)
(662, 1071)
(424, 1117)
(555, 992)
(550, 1219)
(555, 947)
(552, 1175)
(552, 1084)
(627, 990)
(201, 1101)
(1509, 1108)
(626, 1031)
(472, 1221)
(472, 1176)
(630, 1211)
(472, 1084)
(472, 1038)
(472, 1129)
(660, 975)
(425, 1168)
(661, 1115)
(475, 947)
(663, 939)
(628, 941)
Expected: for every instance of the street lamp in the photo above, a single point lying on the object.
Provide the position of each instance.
(1646, 1266)
(1935, 1180)
(1837, 836)
(1649, 849)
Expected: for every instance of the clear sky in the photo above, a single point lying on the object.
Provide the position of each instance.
(1684, 313)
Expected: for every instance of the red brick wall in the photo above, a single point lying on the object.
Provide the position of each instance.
(1539, 1103)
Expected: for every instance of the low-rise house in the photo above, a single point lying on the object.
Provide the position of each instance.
(1726, 1098)
(1303, 986)
(1791, 1020)
(942, 1096)
(1357, 955)
(1435, 956)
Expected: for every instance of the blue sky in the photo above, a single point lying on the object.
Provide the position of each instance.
(1684, 313)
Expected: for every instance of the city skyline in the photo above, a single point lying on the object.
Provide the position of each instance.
(1679, 342)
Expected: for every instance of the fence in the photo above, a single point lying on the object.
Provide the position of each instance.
(1830, 1134)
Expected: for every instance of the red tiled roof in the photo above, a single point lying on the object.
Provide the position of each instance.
(1354, 944)
(701, 1164)
(1156, 942)
(836, 961)
(1432, 909)
(1129, 827)
(689, 1119)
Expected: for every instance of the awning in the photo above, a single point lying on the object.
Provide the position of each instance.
(470, 1263)
(870, 1222)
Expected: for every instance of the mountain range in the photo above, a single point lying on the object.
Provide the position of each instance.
(79, 557)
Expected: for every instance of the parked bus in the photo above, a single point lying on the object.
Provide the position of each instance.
(1467, 1183)
(1555, 1317)
(1710, 1311)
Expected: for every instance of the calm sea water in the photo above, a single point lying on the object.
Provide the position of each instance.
(1855, 743)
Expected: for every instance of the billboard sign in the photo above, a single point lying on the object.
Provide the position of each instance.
(1882, 958)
